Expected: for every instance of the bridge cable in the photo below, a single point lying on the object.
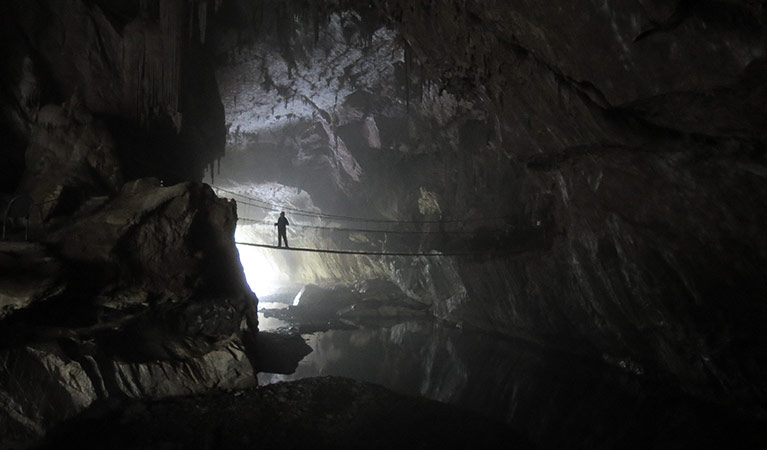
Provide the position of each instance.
(359, 252)
(365, 230)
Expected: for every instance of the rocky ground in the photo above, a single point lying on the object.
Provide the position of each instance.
(317, 413)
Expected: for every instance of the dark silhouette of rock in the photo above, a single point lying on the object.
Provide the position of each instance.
(142, 298)
(321, 413)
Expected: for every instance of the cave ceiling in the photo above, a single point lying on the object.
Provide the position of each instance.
(264, 90)
(341, 91)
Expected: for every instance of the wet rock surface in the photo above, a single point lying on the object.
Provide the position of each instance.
(318, 309)
(276, 352)
(322, 413)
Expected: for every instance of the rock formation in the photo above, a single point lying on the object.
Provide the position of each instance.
(629, 132)
(139, 296)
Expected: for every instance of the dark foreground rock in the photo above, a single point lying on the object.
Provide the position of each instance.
(316, 413)
(276, 352)
(140, 296)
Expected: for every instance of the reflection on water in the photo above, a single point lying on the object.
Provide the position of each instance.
(270, 323)
(558, 401)
(275, 303)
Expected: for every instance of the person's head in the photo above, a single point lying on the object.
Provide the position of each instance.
(282, 214)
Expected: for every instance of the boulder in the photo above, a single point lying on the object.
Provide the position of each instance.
(164, 258)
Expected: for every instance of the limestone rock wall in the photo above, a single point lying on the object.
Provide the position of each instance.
(124, 288)
(659, 263)
(631, 132)
(141, 67)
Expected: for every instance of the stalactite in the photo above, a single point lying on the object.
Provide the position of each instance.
(139, 95)
(407, 76)
(421, 84)
(158, 59)
(176, 65)
(202, 12)
(316, 24)
(190, 26)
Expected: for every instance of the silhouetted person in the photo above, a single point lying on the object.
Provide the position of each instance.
(281, 225)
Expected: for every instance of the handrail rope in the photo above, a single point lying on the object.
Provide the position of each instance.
(294, 212)
(303, 212)
(365, 230)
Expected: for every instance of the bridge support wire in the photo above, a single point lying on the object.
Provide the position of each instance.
(359, 252)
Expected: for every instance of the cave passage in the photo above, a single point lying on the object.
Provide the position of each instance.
(262, 273)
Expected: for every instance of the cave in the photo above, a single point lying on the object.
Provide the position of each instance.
(510, 224)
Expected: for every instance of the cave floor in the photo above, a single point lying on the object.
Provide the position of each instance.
(410, 382)
(314, 413)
